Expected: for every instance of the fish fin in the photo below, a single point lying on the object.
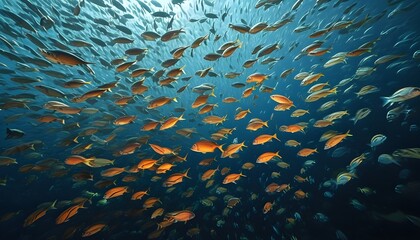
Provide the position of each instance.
(386, 100)
(53, 205)
(220, 148)
(186, 174)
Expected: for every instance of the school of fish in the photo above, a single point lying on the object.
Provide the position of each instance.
(205, 119)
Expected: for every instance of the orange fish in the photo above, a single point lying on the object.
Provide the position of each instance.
(115, 192)
(129, 148)
(138, 88)
(267, 207)
(242, 114)
(267, 156)
(207, 161)
(158, 212)
(38, 214)
(300, 179)
(209, 174)
(281, 99)
(160, 101)
(93, 229)
(110, 172)
(150, 202)
(175, 178)
(162, 150)
(207, 108)
(213, 119)
(68, 213)
(264, 138)
(164, 168)
(150, 125)
(125, 66)
(76, 159)
(232, 178)
(255, 124)
(323, 123)
(230, 100)
(284, 188)
(180, 216)
(332, 142)
(170, 122)
(125, 120)
(299, 194)
(146, 163)
(202, 99)
(205, 146)
(283, 107)
(292, 128)
(247, 92)
(139, 195)
(272, 187)
(358, 52)
(232, 149)
(257, 78)
(304, 152)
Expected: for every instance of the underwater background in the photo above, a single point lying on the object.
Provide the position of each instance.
(69, 160)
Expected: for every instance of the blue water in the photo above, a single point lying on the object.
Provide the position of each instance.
(124, 218)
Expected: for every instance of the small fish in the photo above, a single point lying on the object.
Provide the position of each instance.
(63, 57)
(14, 133)
(377, 140)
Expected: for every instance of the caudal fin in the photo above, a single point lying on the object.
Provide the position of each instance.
(385, 100)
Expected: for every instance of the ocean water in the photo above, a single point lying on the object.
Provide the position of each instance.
(379, 201)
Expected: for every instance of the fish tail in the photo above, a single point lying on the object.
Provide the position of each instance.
(174, 99)
(89, 161)
(212, 93)
(8, 133)
(53, 205)
(181, 117)
(385, 100)
(186, 173)
(265, 123)
(275, 137)
(220, 147)
(32, 146)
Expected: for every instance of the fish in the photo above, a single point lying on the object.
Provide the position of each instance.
(68, 213)
(377, 140)
(63, 57)
(205, 146)
(38, 214)
(267, 156)
(14, 133)
(401, 95)
(178, 107)
(360, 114)
(332, 142)
(93, 229)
